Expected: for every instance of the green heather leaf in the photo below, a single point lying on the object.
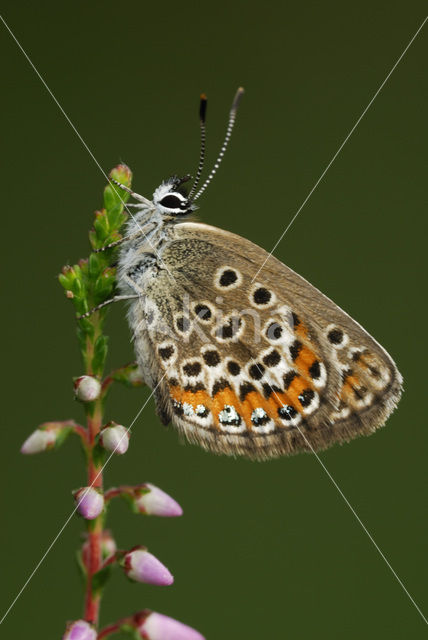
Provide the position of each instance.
(98, 455)
(80, 566)
(129, 499)
(122, 173)
(112, 197)
(104, 285)
(100, 354)
(64, 281)
(93, 239)
(133, 632)
(115, 197)
(83, 336)
(95, 265)
(101, 224)
(113, 194)
(99, 579)
(83, 268)
(86, 327)
(91, 525)
(76, 268)
(78, 288)
(128, 375)
(117, 216)
(62, 436)
(80, 305)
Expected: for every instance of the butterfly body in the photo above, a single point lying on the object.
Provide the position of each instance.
(258, 369)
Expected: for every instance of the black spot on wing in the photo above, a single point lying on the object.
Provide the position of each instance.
(211, 358)
(315, 370)
(335, 336)
(219, 385)
(245, 389)
(233, 368)
(262, 296)
(192, 369)
(256, 371)
(166, 352)
(228, 277)
(272, 358)
(306, 397)
(288, 379)
(295, 349)
(287, 412)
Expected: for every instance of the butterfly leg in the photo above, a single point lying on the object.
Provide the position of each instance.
(111, 245)
(132, 193)
(105, 303)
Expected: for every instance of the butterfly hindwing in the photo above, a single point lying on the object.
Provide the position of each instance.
(259, 368)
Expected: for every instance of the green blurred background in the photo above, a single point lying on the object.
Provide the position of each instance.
(264, 549)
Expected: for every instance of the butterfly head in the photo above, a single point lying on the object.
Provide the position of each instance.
(170, 199)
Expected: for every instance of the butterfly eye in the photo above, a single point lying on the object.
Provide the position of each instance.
(172, 202)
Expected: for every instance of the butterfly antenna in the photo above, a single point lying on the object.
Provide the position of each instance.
(232, 117)
(202, 117)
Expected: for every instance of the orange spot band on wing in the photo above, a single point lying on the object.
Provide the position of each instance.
(298, 385)
(304, 361)
(253, 400)
(277, 399)
(224, 397)
(194, 398)
(176, 393)
(300, 330)
(350, 383)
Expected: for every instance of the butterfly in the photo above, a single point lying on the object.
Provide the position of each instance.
(242, 360)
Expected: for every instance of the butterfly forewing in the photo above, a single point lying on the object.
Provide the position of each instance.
(259, 368)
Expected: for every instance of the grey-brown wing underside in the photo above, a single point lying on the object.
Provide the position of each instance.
(309, 375)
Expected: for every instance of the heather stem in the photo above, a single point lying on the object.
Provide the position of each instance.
(87, 284)
(94, 415)
(116, 627)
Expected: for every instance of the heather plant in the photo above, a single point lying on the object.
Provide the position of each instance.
(88, 284)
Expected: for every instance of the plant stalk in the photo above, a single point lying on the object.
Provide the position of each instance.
(94, 417)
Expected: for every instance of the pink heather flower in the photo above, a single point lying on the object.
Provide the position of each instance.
(142, 566)
(159, 627)
(156, 502)
(80, 630)
(87, 388)
(115, 438)
(39, 440)
(90, 502)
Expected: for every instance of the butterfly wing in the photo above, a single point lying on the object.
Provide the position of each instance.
(261, 368)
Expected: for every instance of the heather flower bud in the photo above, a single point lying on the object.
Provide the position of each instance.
(154, 502)
(90, 502)
(115, 438)
(142, 566)
(39, 440)
(80, 630)
(108, 544)
(159, 627)
(87, 388)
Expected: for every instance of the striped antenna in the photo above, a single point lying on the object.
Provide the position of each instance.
(202, 117)
(232, 117)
